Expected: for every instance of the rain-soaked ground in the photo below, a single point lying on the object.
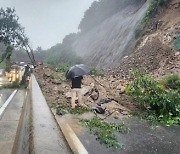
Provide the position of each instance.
(141, 139)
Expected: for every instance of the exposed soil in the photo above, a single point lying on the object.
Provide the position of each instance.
(155, 54)
(156, 58)
(57, 91)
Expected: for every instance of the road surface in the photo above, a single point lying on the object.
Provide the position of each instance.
(4, 94)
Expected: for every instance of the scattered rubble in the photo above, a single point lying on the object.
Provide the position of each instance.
(111, 87)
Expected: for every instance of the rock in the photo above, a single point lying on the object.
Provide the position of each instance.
(63, 85)
(55, 88)
(177, 54)
(121, 88)
(125, 113)
(61, 91)
(85, 90)
(115, 117)
(55, 81)
(53, 111)
(68, 94)
(94, 95)
(47, 74)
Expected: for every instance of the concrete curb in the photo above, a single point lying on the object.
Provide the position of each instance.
(43, 121)
(46, 135)
(72, 139)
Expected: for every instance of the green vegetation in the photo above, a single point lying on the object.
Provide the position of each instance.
(58, 76)
(138, 33)
(25, 79)
(176, 43)
(163, 2)
(3, 65)
(60, 55)
(150, 11)
(11, 34)
(160, 102)
(172, 82)
(105, 131)
(62, 68)
(97, 72)
(64, 109)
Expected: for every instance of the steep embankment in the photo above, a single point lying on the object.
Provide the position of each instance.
(106, 43)
(156, 52)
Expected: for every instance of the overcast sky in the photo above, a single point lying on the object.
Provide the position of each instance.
(46, 22)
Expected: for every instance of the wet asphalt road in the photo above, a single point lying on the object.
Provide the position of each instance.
(4, 94)
(142, 139)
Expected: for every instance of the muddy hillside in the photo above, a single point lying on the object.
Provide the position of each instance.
(105, 43)
(156, 50)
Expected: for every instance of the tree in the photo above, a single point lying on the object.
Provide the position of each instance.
(12, 33)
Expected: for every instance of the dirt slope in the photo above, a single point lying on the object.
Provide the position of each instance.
(106, 43)
(155, 52)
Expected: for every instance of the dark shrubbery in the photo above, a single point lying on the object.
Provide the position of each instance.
(172, 82)
(163, 2)
(150, 11)
(62, 68)
(97, 72)
(154, 98)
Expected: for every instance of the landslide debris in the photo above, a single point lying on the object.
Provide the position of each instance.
(58, 91)
(156, 52)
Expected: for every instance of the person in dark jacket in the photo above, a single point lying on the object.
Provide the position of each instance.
(76, 91)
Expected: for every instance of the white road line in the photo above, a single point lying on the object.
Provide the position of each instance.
(4, 106)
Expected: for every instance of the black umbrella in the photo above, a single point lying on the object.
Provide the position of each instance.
(77, 70)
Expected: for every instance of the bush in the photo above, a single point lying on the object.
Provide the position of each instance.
(150, 12)
(153, 98)
(152, 9)
(97, 72)
(163, 2)
(58, 76)
(62, 68)
(172, 82)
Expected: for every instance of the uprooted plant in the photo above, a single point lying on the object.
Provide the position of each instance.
(104, 131)
(62, 109)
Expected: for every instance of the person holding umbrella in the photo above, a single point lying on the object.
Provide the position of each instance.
(75, 74)
(76, 91)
